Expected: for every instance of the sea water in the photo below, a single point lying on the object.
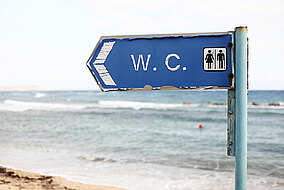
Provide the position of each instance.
(141, 140)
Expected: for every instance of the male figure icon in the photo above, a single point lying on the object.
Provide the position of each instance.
(221, 59)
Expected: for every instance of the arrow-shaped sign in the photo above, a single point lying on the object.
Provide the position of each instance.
(151, 62)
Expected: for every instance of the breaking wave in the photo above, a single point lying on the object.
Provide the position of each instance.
(20, 106)
(40, 95)
(138, 105)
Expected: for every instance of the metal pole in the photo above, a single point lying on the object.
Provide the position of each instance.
(241, 108)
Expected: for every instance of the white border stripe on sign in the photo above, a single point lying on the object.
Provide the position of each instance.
(100, 60)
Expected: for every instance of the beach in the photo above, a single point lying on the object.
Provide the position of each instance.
(137, 140)
(16, 179)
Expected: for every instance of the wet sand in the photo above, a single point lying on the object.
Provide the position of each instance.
(19, 180)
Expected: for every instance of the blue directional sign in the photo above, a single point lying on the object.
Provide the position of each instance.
(154, 62)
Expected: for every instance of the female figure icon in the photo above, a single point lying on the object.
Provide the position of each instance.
(209, 59)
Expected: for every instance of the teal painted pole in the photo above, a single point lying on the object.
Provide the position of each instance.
(241, 108)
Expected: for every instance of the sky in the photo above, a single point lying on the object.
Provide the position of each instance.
(47, 42)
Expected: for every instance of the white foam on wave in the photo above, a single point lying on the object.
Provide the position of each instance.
(138, 105)
(8, 107)
(40, 95)
(20, 106)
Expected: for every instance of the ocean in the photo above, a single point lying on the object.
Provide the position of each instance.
(141, 140)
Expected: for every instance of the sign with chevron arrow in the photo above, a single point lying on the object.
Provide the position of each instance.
(163, 62)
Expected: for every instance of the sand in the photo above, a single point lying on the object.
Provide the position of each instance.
(20, 180)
